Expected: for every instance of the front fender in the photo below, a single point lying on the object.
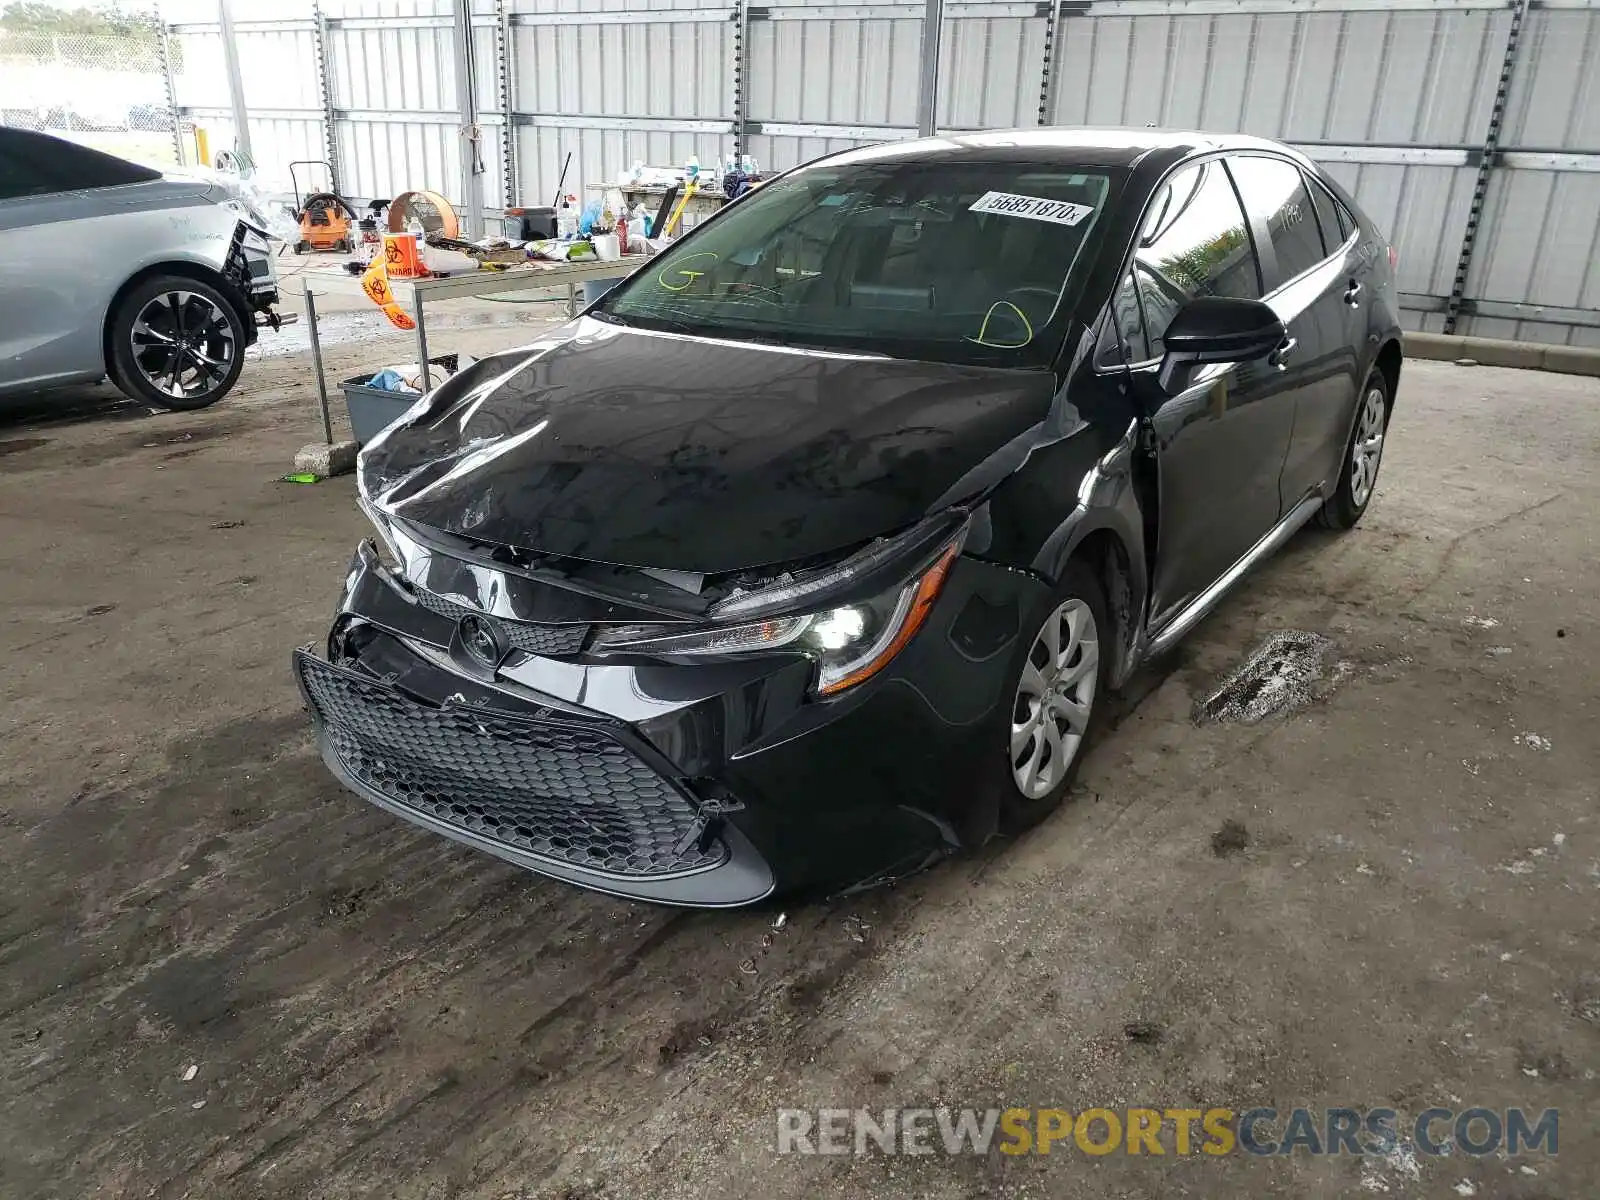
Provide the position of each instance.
(1108, 505)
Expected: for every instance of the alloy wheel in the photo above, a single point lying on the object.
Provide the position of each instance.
(1366, 450)
(183, 344)
(1050, 714)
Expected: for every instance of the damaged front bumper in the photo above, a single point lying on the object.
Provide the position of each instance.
(708, 783)
(248, 265)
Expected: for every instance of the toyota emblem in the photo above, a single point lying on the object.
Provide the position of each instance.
(482, 640)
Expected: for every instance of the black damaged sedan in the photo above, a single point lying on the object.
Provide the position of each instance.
(811, 552)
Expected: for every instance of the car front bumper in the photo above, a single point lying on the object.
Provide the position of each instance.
(707, 784)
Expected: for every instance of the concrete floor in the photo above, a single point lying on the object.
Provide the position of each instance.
(1407, 918)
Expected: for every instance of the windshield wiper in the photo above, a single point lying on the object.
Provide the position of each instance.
(645, 318)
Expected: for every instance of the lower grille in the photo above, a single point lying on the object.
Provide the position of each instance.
(562, 792)
(547, 641)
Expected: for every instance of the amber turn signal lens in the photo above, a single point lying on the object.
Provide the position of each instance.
(927, 591)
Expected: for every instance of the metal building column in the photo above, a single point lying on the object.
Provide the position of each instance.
(230, 58)
(1486, 166)
(164, 48)
(330, 135)
(928, 92)
(741, 84)
(1050, 10)
(471, 134)
(505, 78)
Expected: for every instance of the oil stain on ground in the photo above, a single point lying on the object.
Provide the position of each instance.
(1278, 678)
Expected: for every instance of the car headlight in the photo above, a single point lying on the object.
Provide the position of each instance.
(241, 207)
(850, 642)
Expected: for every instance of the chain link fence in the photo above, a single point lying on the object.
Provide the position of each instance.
(102, 91)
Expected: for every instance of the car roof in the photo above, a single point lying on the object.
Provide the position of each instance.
(1075, 146)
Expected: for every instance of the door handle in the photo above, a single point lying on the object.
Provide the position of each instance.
(1352, 294)
(1280, 357)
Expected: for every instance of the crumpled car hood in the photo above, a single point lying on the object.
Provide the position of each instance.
(650, 450)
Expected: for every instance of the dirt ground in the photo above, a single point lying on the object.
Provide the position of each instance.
(1387, 896)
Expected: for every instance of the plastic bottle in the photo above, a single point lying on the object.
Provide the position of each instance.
(567, 219)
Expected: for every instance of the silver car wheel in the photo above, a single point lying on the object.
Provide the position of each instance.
(1051, 711)
(1366, 450)
(183, 344)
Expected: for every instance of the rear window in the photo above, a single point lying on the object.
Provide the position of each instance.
(36, 164)
(1327, 214)
(1275, 191)
(959, 262)
(1347, 220)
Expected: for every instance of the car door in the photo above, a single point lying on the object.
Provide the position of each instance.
(1306, 284)
(64, 253)
(1220, 443)
(1358, 257)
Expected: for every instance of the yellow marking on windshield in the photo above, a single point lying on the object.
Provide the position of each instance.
(689, 276)
(983, 330)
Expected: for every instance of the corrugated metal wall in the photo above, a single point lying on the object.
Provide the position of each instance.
(1537, 256)
(1394, 96)
(1389, 101)
(656, 87)
(394, 87)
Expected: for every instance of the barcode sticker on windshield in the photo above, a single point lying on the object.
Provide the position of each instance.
(1035, 208)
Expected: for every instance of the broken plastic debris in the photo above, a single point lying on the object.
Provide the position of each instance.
(198, 1104)
(299, 477)
(748, 967)
(783, 918)
(194, 1069)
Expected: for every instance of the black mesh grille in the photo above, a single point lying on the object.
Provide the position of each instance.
(550, 641)
(571, 794)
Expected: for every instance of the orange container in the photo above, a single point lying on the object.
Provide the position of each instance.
(402, 255)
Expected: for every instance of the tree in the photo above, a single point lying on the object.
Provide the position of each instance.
(31, 16)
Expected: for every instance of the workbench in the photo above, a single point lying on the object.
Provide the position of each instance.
(414, 294)
(705, 202)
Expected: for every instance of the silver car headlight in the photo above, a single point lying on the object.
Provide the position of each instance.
(850, 643)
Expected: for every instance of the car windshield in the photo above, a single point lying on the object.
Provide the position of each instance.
(964, 263)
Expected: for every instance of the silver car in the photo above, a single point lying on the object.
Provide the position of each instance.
(115, 269)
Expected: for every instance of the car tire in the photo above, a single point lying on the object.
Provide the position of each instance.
(176, 342)
(1360, 459)
(1077, 607)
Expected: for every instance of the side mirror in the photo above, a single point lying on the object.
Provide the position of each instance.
(1213, 329)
